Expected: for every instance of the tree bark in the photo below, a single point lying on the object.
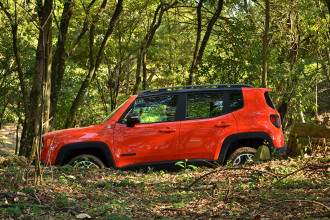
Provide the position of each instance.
(45, 18)
(60, 57)
(144, 71)
(196, 63)
(328, 5)
(47, 79)
(193, 68)
(265, 46)
(93, 67)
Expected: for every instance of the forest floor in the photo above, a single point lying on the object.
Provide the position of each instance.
(283, 188)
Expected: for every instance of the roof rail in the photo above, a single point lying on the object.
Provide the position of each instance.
(165, 89)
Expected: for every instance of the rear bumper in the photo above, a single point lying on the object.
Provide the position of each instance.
(281, 150)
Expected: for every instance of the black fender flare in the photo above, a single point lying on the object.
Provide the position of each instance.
(240, 136)
(67, 149)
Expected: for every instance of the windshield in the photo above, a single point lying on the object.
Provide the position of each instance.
(112, 113)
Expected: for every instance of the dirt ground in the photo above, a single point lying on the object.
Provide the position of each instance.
(8, 139)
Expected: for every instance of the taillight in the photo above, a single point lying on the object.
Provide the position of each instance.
(275, 119)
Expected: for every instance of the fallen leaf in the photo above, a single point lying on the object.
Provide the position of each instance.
(83, 216)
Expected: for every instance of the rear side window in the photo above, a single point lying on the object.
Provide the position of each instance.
(204, 105)
(236, 100)
(269, 100)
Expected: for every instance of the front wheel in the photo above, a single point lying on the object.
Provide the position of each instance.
(86, 161)
(242, 155)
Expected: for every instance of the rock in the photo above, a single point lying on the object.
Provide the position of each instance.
(262, 154)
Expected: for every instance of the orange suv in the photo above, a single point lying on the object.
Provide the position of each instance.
(215, 123)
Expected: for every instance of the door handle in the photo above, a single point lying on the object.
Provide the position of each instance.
(167, 130)
(222, 125)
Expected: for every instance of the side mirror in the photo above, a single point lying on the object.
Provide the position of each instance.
(132, 119)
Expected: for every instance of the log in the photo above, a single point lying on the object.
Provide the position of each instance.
(307, 137)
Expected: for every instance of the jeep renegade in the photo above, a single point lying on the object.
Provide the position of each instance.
(215, 123)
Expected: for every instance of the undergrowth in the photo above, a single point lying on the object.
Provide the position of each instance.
(291, 187)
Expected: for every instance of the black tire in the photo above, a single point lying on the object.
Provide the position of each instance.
(242, 155)
(86, 160)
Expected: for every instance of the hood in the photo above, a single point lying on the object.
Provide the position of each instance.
(63, 131)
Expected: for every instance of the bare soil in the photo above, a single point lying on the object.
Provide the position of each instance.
(8, 139)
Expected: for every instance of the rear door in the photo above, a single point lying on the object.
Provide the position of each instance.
(207, 122)
(155, 138)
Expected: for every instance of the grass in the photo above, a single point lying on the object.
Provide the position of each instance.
(274, 189)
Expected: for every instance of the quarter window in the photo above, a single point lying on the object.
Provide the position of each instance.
(269, 100)
(236, 100)
(204, 105)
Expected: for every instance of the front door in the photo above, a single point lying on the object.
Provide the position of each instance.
(155, 138)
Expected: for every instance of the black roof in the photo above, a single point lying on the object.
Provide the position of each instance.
(193, 87)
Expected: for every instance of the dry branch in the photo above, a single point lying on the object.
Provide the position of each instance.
(303, 200)
(230, 168)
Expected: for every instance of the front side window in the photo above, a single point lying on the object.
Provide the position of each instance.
(156, 109)
(204, 105)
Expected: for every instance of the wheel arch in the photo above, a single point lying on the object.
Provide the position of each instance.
(98, 149)
(234, 141)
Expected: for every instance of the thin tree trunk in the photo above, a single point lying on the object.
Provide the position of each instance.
(17, 139)
(316, 96)
(265, 46)
(156, 22)
(195, 65)
(60, 57)
(328, 5)
(301, 113)
(247, 11)
(138, 71)
(143, 47)
(102, 97)
(144, 71)
(47, 79)
(93, 68)
(14, 27)
(193, 68)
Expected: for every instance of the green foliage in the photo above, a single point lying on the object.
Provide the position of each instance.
(185, 166)
(297, 55)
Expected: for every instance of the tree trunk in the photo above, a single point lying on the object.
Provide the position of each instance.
(93, 67)
(144, 71)
(14, 27)
(195, 65)
(60, 57)
(156, 22)
(328, 5)
(265, 46)
(147, 37)
(47, 79)
(316, 101)
(193, 68)
(34, 116)
(138, 71)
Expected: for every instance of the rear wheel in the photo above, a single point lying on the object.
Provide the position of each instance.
(242, 155)
(86, 160)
